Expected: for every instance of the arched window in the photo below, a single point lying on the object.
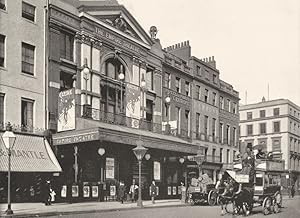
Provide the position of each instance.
(113, 68)
(111, 91)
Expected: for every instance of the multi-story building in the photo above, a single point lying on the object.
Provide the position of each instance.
(22, 95)
(100, 114)
(195, 89)
(275, 125)
(98, 84)
(22, 63)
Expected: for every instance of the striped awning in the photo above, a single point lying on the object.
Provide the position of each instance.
(29, 154)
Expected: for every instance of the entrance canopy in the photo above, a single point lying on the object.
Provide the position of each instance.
(29, 154)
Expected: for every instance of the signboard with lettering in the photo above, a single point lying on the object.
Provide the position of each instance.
(176, 97)
(105, 34)
(84, 137)
(29, 154)
(66, 110)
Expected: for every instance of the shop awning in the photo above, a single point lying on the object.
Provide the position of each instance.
(29, 154)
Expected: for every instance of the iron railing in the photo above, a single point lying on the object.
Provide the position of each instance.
(123, 120)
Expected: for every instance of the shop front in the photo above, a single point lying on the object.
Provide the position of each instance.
(32, 162)
(95, 161)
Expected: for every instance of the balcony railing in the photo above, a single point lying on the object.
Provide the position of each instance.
(123, 120)
(23, 129)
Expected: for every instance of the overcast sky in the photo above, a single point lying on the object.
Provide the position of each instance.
(255, 42)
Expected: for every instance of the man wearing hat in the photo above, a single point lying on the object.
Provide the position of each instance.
(248, 163)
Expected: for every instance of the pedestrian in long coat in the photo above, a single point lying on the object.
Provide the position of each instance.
(153, 191)
(122, 193)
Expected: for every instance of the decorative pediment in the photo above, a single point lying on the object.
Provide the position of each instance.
(120, 20)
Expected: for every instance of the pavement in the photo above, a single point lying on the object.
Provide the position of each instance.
(60, 209)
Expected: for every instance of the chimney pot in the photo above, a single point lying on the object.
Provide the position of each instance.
(213, 58)
(209, 59)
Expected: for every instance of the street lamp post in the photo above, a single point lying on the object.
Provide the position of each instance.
(101, 152)
(121, 78)
(139, 152)
(167, 102)
(9, 139)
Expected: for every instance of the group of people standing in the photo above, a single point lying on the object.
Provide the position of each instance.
(133, 192)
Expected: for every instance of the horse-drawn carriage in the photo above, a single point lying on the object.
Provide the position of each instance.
(202, 190)
(264, 191)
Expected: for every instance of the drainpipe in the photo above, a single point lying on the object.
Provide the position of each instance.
(46, 58)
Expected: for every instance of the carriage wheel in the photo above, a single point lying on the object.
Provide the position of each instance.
(267, 203)
(212, 198)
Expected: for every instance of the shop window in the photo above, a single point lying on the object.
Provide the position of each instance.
(110, 168)
(66, 81)
(66, 46)
(2, 5)
(27, 113)
(28, 11)
(1, 108)
(276, 111)
(2, 50)
(276, 126)
(156, 171)
(28, 58)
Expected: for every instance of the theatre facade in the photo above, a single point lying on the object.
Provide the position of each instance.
(104, 96)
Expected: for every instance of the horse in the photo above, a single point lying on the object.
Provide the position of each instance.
(234, 194)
